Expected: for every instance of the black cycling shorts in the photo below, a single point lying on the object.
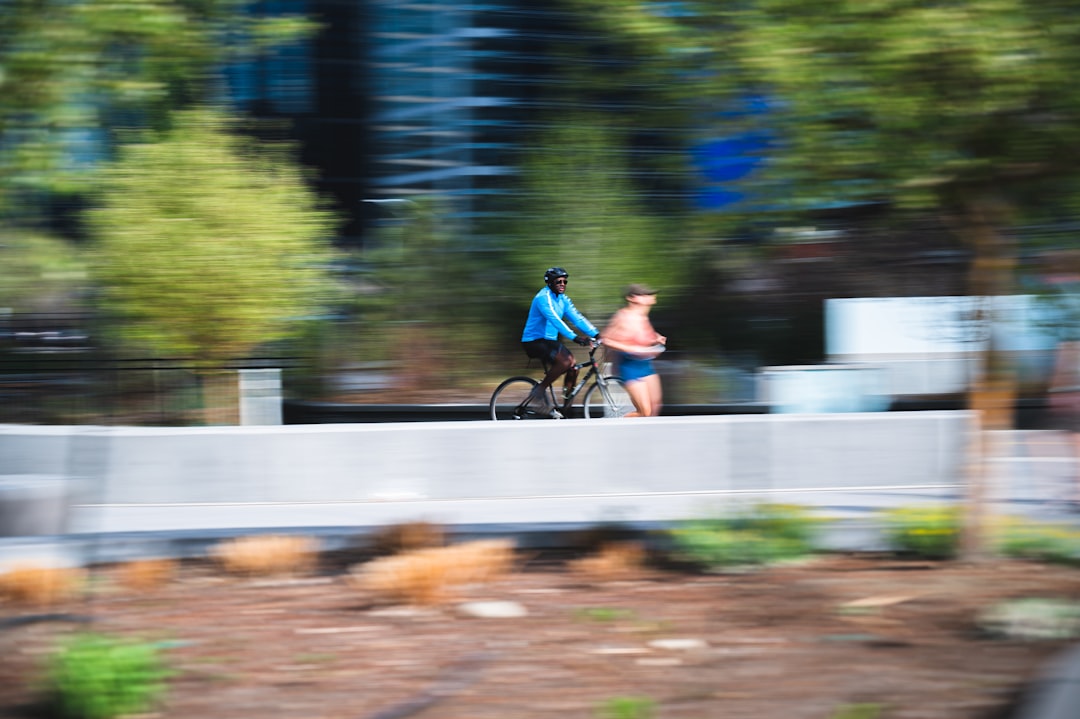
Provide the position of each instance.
(545, 350)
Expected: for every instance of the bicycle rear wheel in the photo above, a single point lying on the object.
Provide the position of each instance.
(608, 401)
(508, 397)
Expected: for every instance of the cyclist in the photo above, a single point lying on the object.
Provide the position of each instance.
(630, 332)
(550, 309)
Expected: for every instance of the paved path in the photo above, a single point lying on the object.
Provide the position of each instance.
(1035, 474)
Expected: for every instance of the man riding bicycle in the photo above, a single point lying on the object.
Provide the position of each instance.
(550, 309)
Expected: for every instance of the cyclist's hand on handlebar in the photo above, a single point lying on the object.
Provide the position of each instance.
(583, 340)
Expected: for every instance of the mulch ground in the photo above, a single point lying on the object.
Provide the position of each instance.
(900, 638)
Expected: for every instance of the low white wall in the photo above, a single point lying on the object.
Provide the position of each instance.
(135, 479)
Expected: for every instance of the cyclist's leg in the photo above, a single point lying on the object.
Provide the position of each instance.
(570, 378)
(555, 358)
(558, 362)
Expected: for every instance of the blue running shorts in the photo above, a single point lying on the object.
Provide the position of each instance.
(634, 368)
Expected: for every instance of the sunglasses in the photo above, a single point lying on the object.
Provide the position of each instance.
(560, 281)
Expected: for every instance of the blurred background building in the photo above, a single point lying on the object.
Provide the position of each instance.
(394, 101)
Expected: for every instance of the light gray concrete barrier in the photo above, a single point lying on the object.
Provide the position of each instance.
(33, 505)
(130, 479)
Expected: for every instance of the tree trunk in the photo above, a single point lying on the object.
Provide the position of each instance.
(992, 275)
(220, 397)
(992, 395)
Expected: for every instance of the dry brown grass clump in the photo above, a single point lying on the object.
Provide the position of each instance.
(266, 555)
(143, 575)
(430, 576)
(407, 536)
(41, 585)
(618, 560)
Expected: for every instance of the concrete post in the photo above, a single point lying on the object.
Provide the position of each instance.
(260, 396)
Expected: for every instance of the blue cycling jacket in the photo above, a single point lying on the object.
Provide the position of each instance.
(546, 318)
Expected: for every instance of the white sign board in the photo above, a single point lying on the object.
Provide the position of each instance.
(929, 345)
(867, 326)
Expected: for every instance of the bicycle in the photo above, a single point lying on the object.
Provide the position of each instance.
(605, 398)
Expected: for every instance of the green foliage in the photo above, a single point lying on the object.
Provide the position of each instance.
(71, 70)
(878, 100)
(628, 707)
(274, 32)
(604, 614)
(96, 676)
(1042, 542)
(761, 534)
(580, 213)
(927, 531)
(413, 266)
(967, 112)
(207, 244)
(39, 271)
(1032, 618)
(419, 306)
(862, 710)
(415, 262)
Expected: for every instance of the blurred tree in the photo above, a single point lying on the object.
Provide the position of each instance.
(964, 109)
(73, 73)
(581, 212)
(967, 110)
(41, 273)
(424, 313)
(208, 245)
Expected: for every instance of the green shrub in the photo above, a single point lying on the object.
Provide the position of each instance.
(626, 708)
(1043, 542)
(603, 614)
(858, 711)
(930, 531)
(95, 676)
(761, 534)
(1032, 618)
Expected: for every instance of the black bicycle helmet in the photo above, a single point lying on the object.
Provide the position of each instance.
(553, 273)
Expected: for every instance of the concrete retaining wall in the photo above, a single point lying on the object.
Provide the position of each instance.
(139, 479)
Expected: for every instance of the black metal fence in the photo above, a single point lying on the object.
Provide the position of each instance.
(80, 388)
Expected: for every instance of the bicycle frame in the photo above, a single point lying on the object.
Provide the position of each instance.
(559, 400)
(594, 374)
(583, 381)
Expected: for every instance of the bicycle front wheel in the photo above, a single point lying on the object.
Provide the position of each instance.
(609, 400)
(508, 398)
